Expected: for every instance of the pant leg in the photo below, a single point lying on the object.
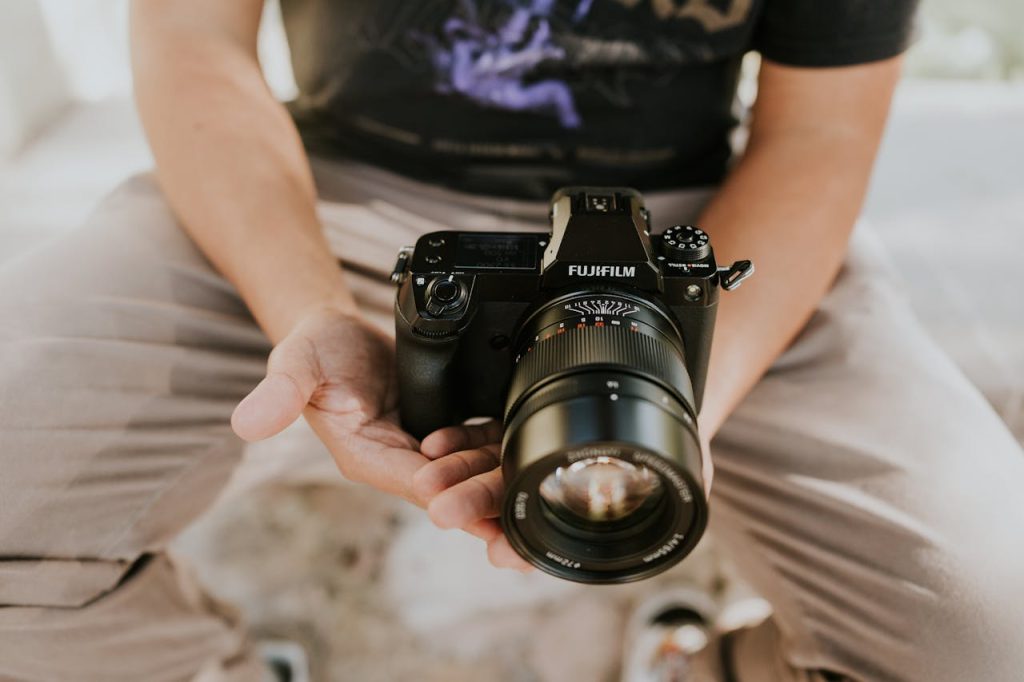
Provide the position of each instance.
(873, 496)
(122, 355)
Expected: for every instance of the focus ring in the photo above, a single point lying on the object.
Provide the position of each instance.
(591, 347)
(570, 386)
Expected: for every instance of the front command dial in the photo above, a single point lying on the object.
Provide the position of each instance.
(686, 243)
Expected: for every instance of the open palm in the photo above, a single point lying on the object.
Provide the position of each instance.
(339, 371)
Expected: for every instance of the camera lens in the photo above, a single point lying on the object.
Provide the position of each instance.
(600, 457)
(599, 489)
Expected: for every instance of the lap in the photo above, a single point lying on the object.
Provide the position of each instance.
(864, 486)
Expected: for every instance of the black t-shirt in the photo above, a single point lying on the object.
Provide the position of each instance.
(519, 97)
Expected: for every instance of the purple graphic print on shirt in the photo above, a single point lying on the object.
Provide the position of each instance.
(490, 64)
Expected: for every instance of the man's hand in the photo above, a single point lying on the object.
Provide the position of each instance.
(339, 371)
(462, 486)
(708, 472)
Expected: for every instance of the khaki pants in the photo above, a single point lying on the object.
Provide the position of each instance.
(864, 487)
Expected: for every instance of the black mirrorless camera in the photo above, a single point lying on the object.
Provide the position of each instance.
(591, 344)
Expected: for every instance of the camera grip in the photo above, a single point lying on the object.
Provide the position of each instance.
(698, 326)
(426, 381)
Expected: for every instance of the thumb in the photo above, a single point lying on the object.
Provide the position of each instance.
(278, 400)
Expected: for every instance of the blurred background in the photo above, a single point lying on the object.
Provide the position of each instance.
(363, 580)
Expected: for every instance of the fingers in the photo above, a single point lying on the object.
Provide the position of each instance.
(279, 399)
(464, 490)
(709, 467)
(485, 529)
(499, 551)
(501, 555)
(447, 471)
(462, 437)
(392, 472)
(471, 500)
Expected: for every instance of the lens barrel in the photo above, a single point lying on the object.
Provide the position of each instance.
(600, 404)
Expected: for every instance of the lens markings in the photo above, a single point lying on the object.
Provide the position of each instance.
(664, 549)
(600, 306)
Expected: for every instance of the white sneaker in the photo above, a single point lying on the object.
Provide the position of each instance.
(286, 661)
(665, 634)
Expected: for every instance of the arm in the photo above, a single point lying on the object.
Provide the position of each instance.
(229, 157)
(790, 205)
(231, 164)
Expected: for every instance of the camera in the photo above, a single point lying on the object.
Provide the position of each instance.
(590, 343)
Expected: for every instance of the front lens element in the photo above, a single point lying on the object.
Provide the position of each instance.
(599, 489)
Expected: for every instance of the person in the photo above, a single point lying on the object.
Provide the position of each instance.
(861, 484)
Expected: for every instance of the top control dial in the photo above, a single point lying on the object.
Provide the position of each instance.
(685, 242)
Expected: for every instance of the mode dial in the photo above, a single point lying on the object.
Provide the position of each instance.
(685, 242)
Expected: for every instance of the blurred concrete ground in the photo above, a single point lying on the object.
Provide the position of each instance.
(379, 594)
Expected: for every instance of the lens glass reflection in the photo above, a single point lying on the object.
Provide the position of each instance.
(599, 488)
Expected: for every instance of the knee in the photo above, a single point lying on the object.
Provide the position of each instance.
(937, 595)
(93, 282)
(127, 241)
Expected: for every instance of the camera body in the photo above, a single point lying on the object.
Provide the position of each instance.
(463, 296)
(590, 343)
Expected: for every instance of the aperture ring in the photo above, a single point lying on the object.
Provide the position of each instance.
(595, 382)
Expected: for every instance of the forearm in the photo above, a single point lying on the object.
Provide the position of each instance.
(794, 226)
(233, 168)
(789, 206)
